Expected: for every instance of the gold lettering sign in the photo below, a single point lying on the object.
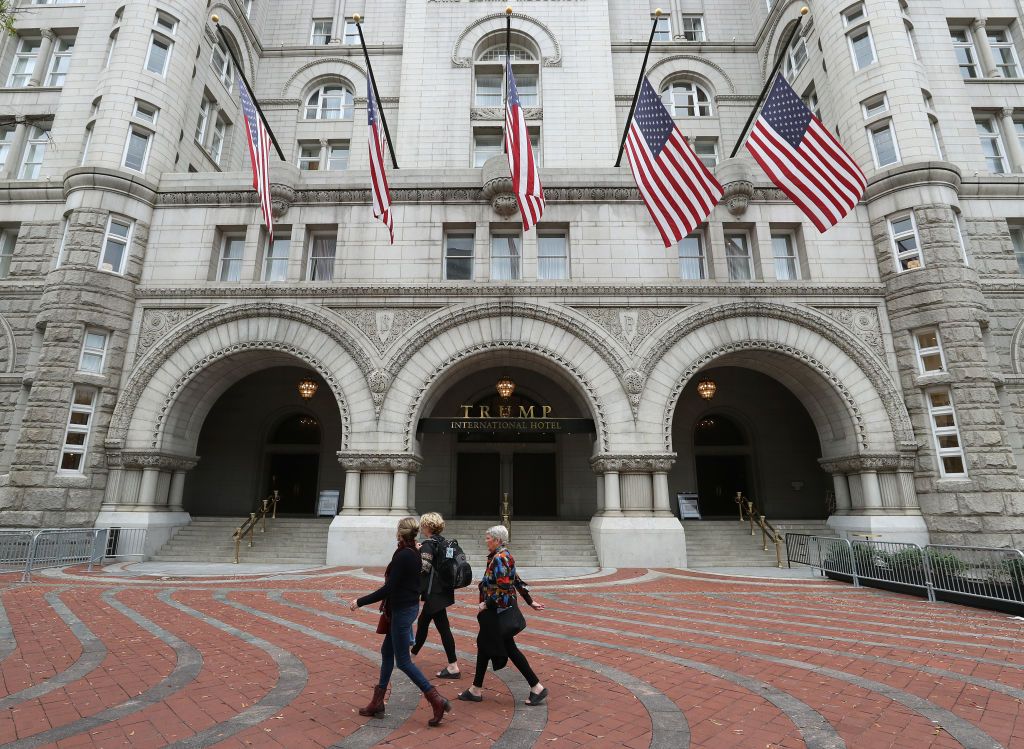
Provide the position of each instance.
(504, 412)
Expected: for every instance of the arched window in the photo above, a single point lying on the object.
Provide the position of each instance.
(489, 74)
(332, 101)
(717, 430)
(297, 429)
(221, 64)
(686, 99)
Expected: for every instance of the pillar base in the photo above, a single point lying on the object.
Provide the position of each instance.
(902, 528)
(361, 540)
(160, 525)
(639, 541)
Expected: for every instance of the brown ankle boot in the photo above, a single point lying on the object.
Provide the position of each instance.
(439, 704)
(376, 707)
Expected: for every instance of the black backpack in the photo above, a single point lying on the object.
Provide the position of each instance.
(450, 564)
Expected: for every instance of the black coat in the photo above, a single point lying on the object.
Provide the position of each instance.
(434, 594)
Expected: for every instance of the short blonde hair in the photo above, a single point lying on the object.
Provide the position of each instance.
(499, 533)
(408, 528)
(433, 522)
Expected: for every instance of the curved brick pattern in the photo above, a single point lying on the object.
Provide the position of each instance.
(46, 646)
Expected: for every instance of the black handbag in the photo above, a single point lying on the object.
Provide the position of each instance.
(511, 621)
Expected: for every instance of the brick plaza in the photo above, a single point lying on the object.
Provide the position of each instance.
(634, 658)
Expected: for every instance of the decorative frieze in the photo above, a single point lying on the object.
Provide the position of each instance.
(633, 463)
(379, 462)
(902, 461)
(149, 459)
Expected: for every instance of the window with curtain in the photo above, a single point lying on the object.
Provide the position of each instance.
(506, 256)
(552, 255)
(738, 257)
(692, 262)
(321, 256)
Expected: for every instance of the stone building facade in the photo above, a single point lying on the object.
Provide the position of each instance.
(151, 338)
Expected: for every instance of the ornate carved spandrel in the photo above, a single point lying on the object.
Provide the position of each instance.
(629, 325)
(863, 322)
(383, 326)
(156, 321)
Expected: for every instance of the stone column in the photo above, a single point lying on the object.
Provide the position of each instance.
(43, 58)
(611, 493)
(147, 492)
(211, 122)
(842, 489)
(599, 490)
(367, 487)
(350, 504)
(871, 489)
(662, 503)
(176, 497)
(14, 154)
(988, 63)
(400, 493)
(1013, 147)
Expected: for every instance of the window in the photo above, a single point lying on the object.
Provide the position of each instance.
(7, 239)
(686, 99)
(111, 46)
(883, 144)
(737, 256)
(1004, 53)
(910, 39)
(6, 138)
(458, 256)
(76, 434)
(488, 89)
(1017, 238)
(220, 131)
(692, 262)
(862, 48)
(486, 144)
(961, 236)
(784, 251)
(875, 106)
(60, 62)
(692, 28)
(337, 156)
(321, 256)
(232, 250)
(330, 102)
(538, 156)
(707, 151)
(220, 61)
(933, 124)
(351, 35)
(35, 149)
(159, 54)
(166, 23)
(94, 351)
(1018, 127)
(321, 33)
(136, 149)
(63, 241)
(115, 245)
(506, 254)
(992, 145)
(948, 449)
(24, 62)
(309, 157)
(796, 57)
(248, 8)
(905, 245)
(276, 264)
(810, 98)
(662, 29)
(854, 14)
(86, 142)
(526, 85)
(929, 351)
(552, 255)
(145, 112)
(966, 56)
(203, 120)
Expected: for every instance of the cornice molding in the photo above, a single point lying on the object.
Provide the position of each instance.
(633, 463)
(379, 462)
(900, 461)
(118, 458)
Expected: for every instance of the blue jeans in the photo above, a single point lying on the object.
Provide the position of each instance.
(401, 630)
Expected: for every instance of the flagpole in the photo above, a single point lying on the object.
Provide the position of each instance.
(768, 83)
(639, 81)
(241, 74)
(376, 94)
(504, 74)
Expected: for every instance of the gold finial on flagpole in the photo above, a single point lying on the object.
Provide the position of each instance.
(657, 12)
(508, 10)
(356, 17)
(215, 18)
(805, 10)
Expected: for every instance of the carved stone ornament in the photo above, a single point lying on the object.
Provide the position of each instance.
(156, 321)
(379, 462)
(497, 114)
(281, 199)
(737, 185)
(633, 463)
(902, 461)
(629, 325)
(497, 186)
(383, 327)
(146, 459)
(863, 322)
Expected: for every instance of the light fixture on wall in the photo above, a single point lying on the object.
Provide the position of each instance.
(505, 386)
(707, 388)
(708, 423)
(307, 388)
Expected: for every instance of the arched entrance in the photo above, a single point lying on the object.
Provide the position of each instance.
(477, 444)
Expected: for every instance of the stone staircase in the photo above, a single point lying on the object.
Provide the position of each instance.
(728, 543)
(287, 541)
(535, 543)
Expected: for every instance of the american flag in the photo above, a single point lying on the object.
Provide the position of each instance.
(378, 177)
(259, 152)
(677, 188)
(525, 178)
(803, 159)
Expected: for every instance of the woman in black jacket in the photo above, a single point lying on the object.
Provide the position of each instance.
(400, 595)
(437, 595)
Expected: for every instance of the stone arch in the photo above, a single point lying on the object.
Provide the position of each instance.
(778, 30)
(323, 70)
(846, 389)
(8, 347)
(542, 36)
(175, 384)
(232, 26)
(702, 70)
(1017, 349)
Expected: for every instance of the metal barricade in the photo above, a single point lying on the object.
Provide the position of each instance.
(59, 547)
(834, 554)
(993, 574)
(892, 562)
(15, 546)
(798, 548)
(124, 543)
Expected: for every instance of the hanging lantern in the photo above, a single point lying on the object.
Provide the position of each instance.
(505, 387)
(706, 389)
(706, 424)
(307, 388)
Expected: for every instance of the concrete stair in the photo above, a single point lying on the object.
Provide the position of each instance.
(287, 541)
(728, 543)
(535, 543)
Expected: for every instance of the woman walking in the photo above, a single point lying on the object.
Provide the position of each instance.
(437, 595)
(496, 641)
(400, 596)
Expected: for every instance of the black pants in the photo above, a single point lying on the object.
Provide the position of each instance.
(514, 655)
(440, 620)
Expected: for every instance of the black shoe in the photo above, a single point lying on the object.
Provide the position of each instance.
(538, 698)
(468, 696)
(415, 649)
(446, 674)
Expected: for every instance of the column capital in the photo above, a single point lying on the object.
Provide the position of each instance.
(633, 463)
(978, 24)
(868, 462)
(150, 459)
(379, 462)
(1006, 113)
(48, 34)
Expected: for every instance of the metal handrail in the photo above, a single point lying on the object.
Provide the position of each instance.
(267, 506)
(758, 519)
(505, 513)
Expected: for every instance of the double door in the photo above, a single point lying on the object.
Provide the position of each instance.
(529, 478)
